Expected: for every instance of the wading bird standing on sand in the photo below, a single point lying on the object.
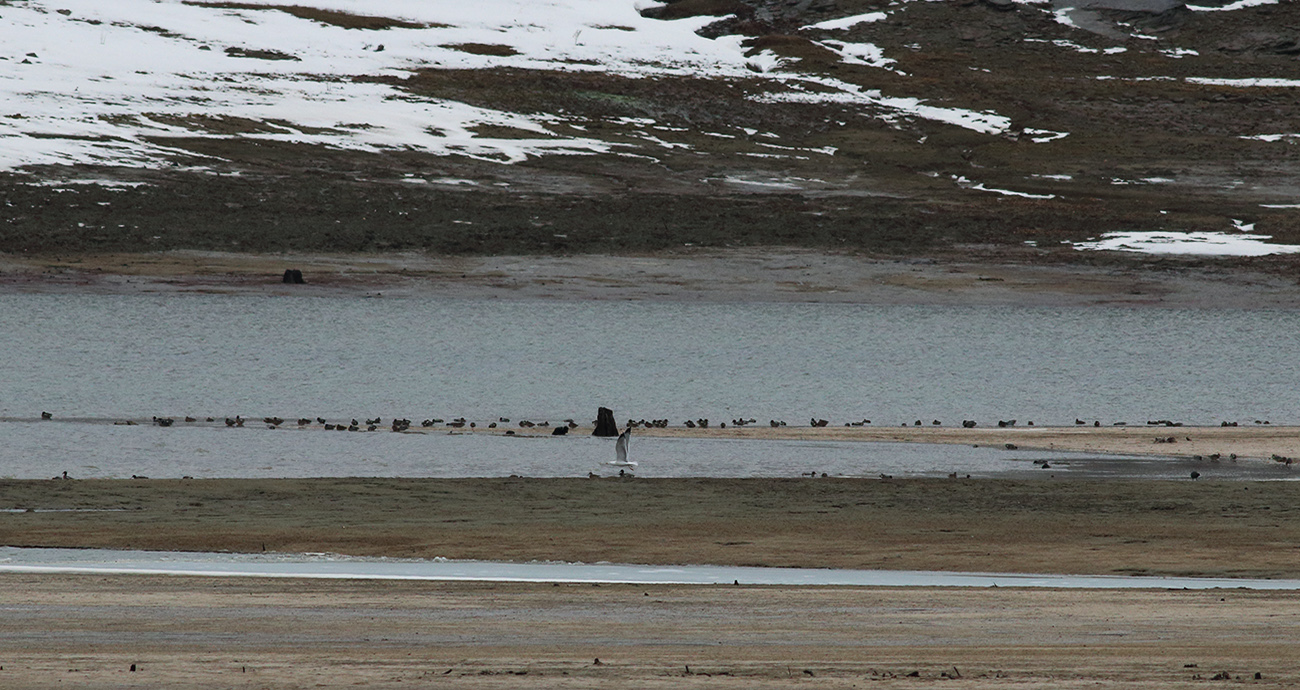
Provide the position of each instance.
(620, 450)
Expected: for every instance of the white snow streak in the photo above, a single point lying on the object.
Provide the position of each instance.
(1240, 4)
(967, 184)
(1246, 83)
(847, 22)
(852, 94)
(1189, 243)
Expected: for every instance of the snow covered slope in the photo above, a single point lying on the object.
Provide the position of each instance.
(88, 81)
(895, 124)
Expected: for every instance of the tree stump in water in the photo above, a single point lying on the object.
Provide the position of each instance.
(605, 424)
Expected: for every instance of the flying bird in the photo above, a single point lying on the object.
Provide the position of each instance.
(620, 450)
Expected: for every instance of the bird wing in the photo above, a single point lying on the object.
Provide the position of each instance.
(620, 447)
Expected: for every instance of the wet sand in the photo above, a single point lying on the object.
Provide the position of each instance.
(1263, 441)
(769, 274)
(89, 631)
(1266, 442)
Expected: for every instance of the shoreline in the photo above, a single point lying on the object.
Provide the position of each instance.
(1278, 443)
(1271, 442)
(765, 274)
(1264, 442)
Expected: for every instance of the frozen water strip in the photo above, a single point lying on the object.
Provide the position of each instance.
(324, 566)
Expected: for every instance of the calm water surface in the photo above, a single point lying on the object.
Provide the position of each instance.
(132, 356)
(93, 359)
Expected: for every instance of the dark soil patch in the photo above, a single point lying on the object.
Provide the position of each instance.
(681, 9)
(235, 51)
(345, 20)
(484, 49)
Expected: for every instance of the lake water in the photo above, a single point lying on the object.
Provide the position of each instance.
(132, 356)
(94, 359)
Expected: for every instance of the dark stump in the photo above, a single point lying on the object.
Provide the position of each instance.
(605, 424)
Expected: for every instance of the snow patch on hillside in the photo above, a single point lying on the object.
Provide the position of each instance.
(1239, 5)
(119, 83)
(848, 22)
(1189, 243)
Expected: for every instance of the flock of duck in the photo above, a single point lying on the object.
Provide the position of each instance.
(562, 428)
(624, 439)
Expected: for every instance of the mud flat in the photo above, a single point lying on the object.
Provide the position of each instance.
(1208, 529)
(1218, 444)
(758, 274)
(111, 631)
(153, 631)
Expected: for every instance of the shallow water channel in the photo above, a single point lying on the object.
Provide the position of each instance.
(343, 567)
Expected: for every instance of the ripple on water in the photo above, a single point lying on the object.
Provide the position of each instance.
(134, 356)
